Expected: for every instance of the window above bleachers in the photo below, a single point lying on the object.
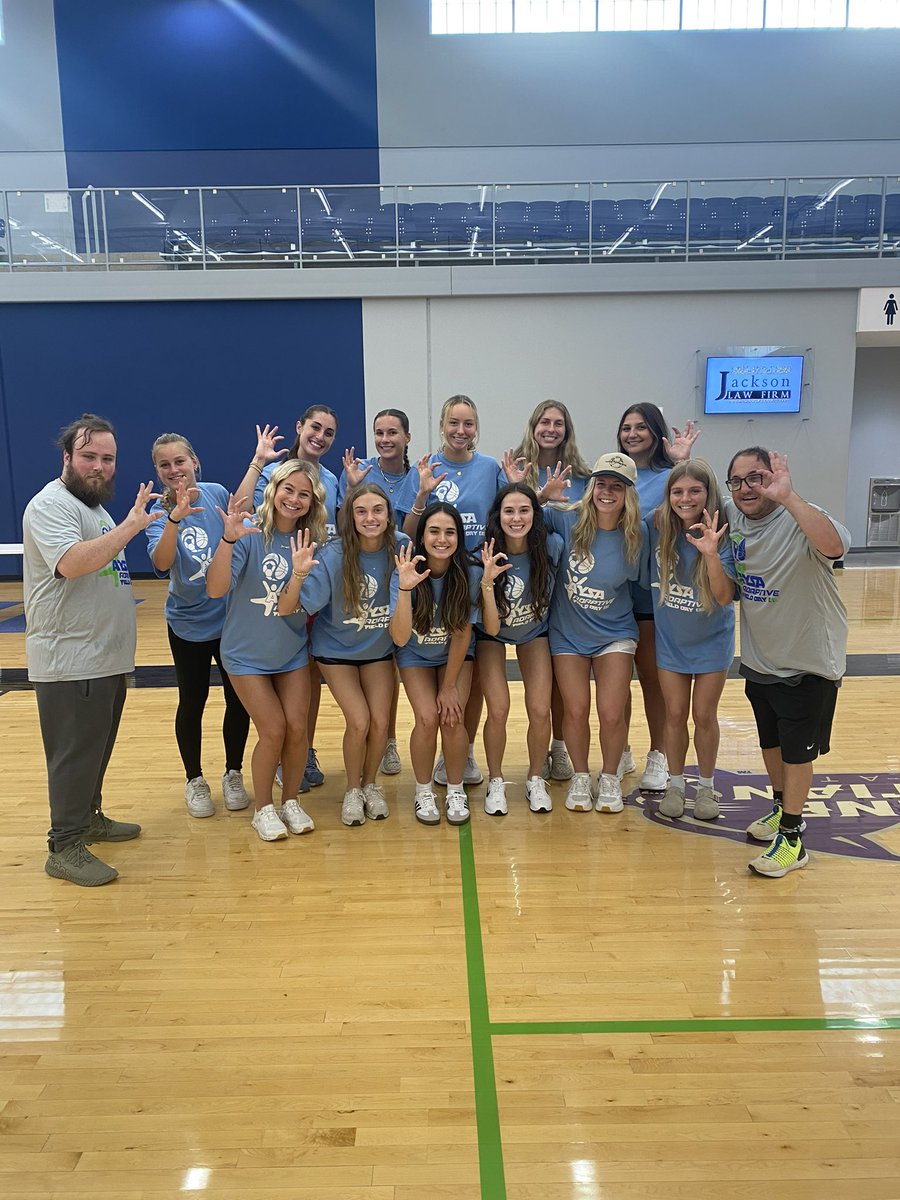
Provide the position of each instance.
(608, 16)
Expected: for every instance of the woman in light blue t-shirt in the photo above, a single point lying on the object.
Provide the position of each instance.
(266, 654)
(692, 575)
(348, 588)
(433, 608)
(182, 547)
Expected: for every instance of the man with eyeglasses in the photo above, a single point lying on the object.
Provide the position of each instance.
(793, 637)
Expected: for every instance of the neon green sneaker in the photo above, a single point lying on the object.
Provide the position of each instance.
(766, 828)
(781, 857)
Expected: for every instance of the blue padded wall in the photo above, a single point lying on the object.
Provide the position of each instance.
(224, 92)
(208, 369)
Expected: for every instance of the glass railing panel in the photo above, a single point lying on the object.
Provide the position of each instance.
(545, 222)
(348, 226)
(251, 226)
(643, 220)
(41, 232)
(891, 243)
(144, 227)
(445, 223)
(735, 218)
(838, 216)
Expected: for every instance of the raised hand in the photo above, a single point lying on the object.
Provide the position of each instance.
(515, 469)
(776, 484)
(407, 564)
(234, 519)
(494, 563)
(303, 553)
(707, 534)
(266, 444)
(139, 515)
(184, 496)
(428, 481)
(356, 473)
(554, 490)
(681, 445)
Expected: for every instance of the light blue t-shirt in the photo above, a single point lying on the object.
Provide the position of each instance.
(470, 487)
(520, 626)
(255, 640)
(432, 649)
(334, 633)
(329, 483)
(192, 614)
(688, 640)
(389, 484)
(591, 604)
(651, 487)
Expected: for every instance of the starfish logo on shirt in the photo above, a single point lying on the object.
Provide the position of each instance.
(377, 617)
(679, 596)
(274, 568)
(853, 815)
(577, 589)
(196, 541)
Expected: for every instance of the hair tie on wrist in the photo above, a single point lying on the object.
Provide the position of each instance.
(172, 519)
(228, 541)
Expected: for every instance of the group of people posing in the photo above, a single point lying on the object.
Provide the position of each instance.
(425, 575)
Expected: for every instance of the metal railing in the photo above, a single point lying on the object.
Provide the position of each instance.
(371, 225)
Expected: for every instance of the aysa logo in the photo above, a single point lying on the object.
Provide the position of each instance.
(854, 815)
(447, 491)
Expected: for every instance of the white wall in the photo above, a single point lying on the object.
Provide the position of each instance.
(31, 133)
(875, 437)
(723, 104)
(598, 354)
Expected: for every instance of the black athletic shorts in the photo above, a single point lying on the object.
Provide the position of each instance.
(794, 717)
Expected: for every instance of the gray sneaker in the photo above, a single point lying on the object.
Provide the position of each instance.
(706, 804)
(105, 829)
(76, 864)
(375, 803)
(353, 808)
(390, 761)
(672, 803)
(198, 798)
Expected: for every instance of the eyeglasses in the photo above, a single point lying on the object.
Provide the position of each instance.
(736, 482)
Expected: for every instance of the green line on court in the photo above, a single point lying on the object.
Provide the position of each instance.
(697, 1025)
(487, 1113)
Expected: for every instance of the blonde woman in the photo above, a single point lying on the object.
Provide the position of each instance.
(593, 633)
(266, 655)
(692, 574)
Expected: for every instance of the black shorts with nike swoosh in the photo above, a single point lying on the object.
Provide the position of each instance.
(795, 717)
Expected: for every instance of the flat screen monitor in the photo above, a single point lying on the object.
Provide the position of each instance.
(753, 384)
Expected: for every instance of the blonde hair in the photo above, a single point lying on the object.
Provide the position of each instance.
(670, 529)
(445, 409)
(315, 519)
(170, 439)
(585, 529)
(569, 454)
(349, 535)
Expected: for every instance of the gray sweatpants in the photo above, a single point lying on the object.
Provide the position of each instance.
(79, 722)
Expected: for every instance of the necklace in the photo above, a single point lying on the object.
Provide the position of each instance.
(390, 478)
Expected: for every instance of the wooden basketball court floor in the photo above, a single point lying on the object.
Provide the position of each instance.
(539, 1007)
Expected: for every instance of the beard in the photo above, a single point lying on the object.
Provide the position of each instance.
(93, 491)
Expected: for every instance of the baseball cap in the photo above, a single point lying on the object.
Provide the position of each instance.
(618, 465)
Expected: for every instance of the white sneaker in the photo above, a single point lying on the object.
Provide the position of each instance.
(233, 791)
(457, 805)
(558, 764)
(626, 763)
(580, 798)
(495, 800)
(353, 809)
(390, 760)
(427, 810)
(295, 818)
(537, 795)
(609, 795)
(198, 798)
(268, 824)
(472, 772)
(376, 805)
(440, 772)
(656, 773)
